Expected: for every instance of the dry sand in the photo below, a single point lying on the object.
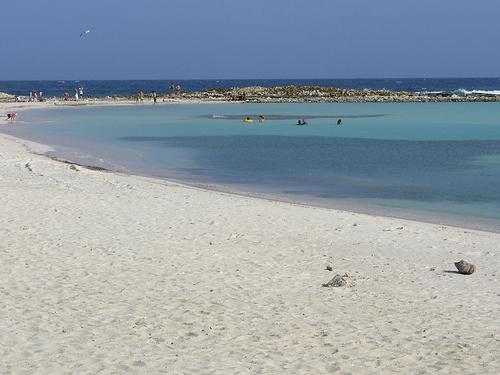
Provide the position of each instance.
(112, 274)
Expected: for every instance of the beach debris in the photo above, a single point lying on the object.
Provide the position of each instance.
(465, 268)
(96, 168)
(73, 167)
(432, 269)
(28, 167)
(336, 282)
(329, 268)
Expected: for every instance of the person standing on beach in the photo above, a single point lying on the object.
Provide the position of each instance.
(153, 94)
(80, 91)
(76, 94)
(141, 97)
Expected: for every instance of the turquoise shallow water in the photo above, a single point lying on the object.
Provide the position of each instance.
(412, 160)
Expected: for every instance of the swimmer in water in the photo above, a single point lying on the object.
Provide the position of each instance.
(339, 122)
(262, 118)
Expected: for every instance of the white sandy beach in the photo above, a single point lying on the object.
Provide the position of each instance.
(112, 274)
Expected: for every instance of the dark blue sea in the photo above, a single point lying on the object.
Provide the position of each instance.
(108, 88)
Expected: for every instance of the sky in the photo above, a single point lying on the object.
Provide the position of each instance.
(249, 39)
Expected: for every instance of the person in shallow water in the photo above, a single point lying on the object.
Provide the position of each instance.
(262, 118)
(11, 116)
(302, 122)
(339, 122)
(247, 119)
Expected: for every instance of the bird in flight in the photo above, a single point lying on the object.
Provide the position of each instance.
(86, 32)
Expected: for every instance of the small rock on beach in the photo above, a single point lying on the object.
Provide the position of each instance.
(465, 268)
(337, 281)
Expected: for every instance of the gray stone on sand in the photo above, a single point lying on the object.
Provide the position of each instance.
(465, 268)
(337, 281)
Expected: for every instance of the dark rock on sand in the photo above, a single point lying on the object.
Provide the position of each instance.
(465, 268)
(337, 281)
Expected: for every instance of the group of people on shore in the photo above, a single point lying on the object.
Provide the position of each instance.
(175, 89)
(139, 97)
(36, 96)
(78, 94)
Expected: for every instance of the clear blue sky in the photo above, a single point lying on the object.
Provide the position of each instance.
(183, 39)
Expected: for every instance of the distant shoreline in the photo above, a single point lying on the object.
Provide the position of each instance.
(279, 94)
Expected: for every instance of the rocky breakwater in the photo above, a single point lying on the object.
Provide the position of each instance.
(4, 97)
(314, 94)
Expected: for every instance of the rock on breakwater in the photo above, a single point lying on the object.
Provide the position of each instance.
(316, 94)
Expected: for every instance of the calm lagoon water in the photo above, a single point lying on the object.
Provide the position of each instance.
(432, 160)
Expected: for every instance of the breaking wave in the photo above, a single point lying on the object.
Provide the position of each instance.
(484, 92)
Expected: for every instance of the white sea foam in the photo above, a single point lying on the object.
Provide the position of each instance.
(486, 92)
(430, 92)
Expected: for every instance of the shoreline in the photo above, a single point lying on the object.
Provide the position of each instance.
(147, 275)
(422, 216)
(487, 225)
(412, 215)
(425, 217)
